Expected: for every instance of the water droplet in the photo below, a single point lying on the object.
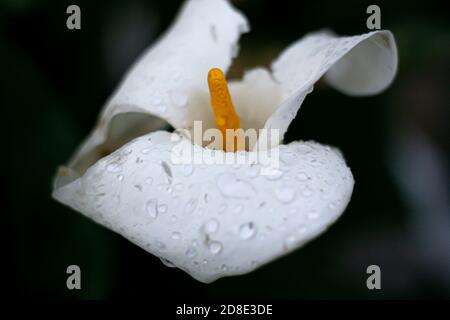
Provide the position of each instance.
(301, 176)
(167, 263)
(215, 247)
(195, 243)
(289, 241)
(332, 205)
(312, 215)
(288, 157)
(162, 208)
(232, 186)
(179, 99)
(252, 172)
(176, 236)
(224, 267)
(247, 230)
(160, 245)
(304, 149)
(211, 226)
(173, 218)
(145, 151)
(302, 229)
(187, 170)
(205, 262)
(114, 167)
(190, 206)
(150, 207)
(285, 194)
(120, 177)
(314, 162)
(222, 208)
(273, 174)
(191, 253)
(149, 181)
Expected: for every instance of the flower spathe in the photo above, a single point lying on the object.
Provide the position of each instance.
(219, 220)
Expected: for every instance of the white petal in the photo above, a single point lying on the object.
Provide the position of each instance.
(358, 65)
(169, 78)
(212, 220)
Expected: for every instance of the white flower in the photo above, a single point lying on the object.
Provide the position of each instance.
(219, 220)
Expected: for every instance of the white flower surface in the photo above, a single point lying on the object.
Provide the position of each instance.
(219, 220)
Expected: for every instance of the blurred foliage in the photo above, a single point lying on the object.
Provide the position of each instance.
(55, 82)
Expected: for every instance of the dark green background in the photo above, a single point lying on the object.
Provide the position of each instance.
(54, 82)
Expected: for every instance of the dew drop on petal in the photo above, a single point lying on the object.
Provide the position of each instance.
(191, 253)
(176, 236)
(301, 176)
(167, 263)
(187, 170)
(314, 162)
(304, 149)
(273, 175)
(162, 208)
(215, 247)
(302, 229)
(285, 194)
(151, 209)
(160, 245)
(252, 172)
(222, 208)
(114, 167)
(247, 230)
(190, 206)
(179, 99)
(312, 215)
(211, 226)
(289, 241)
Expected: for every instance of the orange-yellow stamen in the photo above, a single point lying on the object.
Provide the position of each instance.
(224, 113)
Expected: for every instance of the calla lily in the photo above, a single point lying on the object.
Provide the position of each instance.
(219, 220)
